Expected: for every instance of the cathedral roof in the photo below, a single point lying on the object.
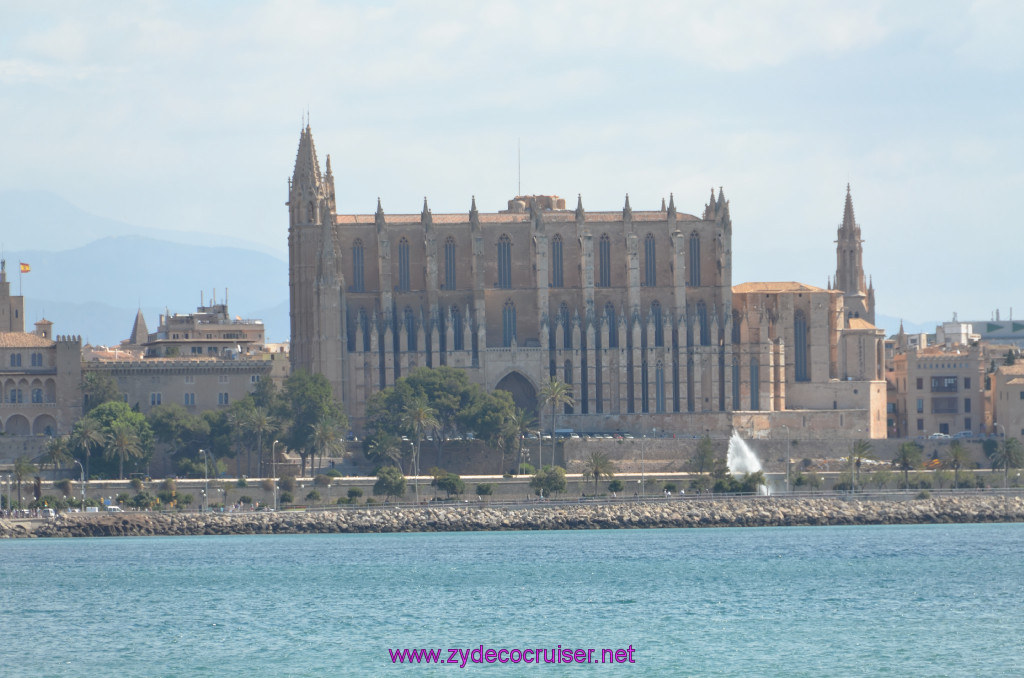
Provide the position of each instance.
(506, 217)
(23, 340)
(768, 287)
(861, 324)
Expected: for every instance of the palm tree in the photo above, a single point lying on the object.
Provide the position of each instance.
(23, 468)
(518, 425)
(555, 393)
(260, 424)
(86, 437)
(907, 458)
(386, 447)
(598, 465)
(1010, 453)
(57, 453)
(325, 440)
(959, 457)
(419, 416)
(122, 442)
(860, 451)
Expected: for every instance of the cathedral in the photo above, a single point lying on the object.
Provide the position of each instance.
(636, 310)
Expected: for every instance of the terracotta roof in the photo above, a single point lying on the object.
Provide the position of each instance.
(746, 288)
(1017, 369)
(1016, 381)
(23, 340)
(507, 217)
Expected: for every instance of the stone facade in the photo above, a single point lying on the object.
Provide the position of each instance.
(635, 309)
(1008, 401)
(40, 376)
(940, 390)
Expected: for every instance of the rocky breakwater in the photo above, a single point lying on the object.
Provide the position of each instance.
(747, 512)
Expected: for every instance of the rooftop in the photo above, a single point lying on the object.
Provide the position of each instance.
(768, 287)
(23, 340)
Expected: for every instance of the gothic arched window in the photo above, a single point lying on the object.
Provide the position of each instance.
(659, 331)
(650, 271)
(358, 282)
(736, 319)
(702, 320)
(410, 328)
(504, 261)
(556, 261)
(604, 261)
(508, 323)
(755, 384)
(736, 404)
(449, 263)
(694, 260)
(403, 265)
(566, 323)
(364, 325)
(800, 346)
(659, 387)
(613, 329)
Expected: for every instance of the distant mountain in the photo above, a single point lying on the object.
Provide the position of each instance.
(31, 219)
(95, 290)
(891, 325)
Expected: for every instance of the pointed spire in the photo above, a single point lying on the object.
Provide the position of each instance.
(472, 205)
(627, 211)
(848, 220)
(329, 174)
(378, 217)
(580, 213)
(474, 216)
(425, 216)
(307, 168)
(663, 204)
(671, 204)
(140, 333)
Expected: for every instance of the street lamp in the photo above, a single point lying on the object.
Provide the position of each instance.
(273, 461)
(82, 476)
(206, 478)
(787, 457)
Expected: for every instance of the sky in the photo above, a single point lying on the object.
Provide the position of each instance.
(186, 116)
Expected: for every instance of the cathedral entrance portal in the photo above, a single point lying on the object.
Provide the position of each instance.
(523, 393)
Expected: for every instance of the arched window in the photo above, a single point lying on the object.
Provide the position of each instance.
(508, 323)
(403, 265)
(702, 320)
(37, 395)
(410, 329)
(37, 360)
(358, 271)
(15, 360)
(613, 329)
(736, 319)
(755, 384)
(449, 263)
(364, 326)
(567, 374)
(457, 329)
(650, 271)
(800, 346)
(504, 262)
(659, 387)
(659, 330)
(694, 260)
(556, 261)
(604, 261)
(736, 404)
(566, 323)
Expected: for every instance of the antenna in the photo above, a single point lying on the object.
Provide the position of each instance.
(519, 167)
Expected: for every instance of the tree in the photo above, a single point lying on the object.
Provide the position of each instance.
(556, 393)
(309, 401)
(23, 468)
(1009, 454)
(959, 457)
(260, 424)
(86, 436)
(98, 389)
(325, 441)
(518, 425)
(57, 452)
(549, 480)
(704, 458)
(485, 489)
(860, 451)
(907, 459)
(881, 477)
(122, 443)
(383, 447)
(597, 465)
(390, 483)
(615, 486)
(419, 416)
(449, 483)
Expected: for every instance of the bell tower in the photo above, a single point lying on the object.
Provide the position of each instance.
(858, 298)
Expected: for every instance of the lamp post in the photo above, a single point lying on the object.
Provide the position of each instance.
(787, 457)
(206, 478)
(273, 462)
(82, 476)
(643, 477)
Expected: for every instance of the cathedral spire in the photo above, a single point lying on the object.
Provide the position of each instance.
(858, 296)
(307, 168)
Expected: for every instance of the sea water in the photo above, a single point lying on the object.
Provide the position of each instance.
(940, 600)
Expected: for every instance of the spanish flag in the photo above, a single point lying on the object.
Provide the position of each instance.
(25, 268)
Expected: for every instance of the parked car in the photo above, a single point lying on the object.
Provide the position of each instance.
(939, 436)
(964, 434)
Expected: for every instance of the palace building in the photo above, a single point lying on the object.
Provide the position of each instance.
(635, 309)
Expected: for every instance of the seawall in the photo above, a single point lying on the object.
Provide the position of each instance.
(745, 512)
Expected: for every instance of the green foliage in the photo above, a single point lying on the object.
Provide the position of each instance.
(310, 402)
(923, 494)
(313, 496)
(670, 487)
(65, 487)
(704, 458)
(555, 394)
(354, 493)
(390, 483)
(526, 469)
(1009, 454)
(485, 489)
(907, 458)
(185, 499)
(98, 389)
(596, 466)
(122, 498)
(286, 498)
(449, 483)
(267, 484)
(287, 483)
(748, 484)
(881, 478)
(615, 486)
(333, 473)
(242, 482)
(322, 480)
(548, 481)
(245, 499)
(700, 484)
(143, 500)
(127, 439)
(136, 484)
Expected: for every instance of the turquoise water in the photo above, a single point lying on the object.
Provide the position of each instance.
(942, 600)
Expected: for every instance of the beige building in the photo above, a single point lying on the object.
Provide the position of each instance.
(634, 308)
(210, 331)
(1008, 401)
(940, 389)
(40, 375)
